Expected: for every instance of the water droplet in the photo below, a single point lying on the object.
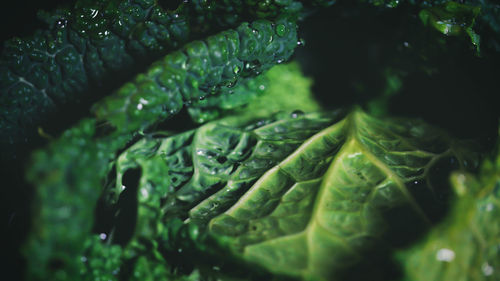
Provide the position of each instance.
(83, 259)
(139, 106)
(214, 205)
(144, 192)
(262, 87)
(301, 42)
(123, 187)
(490, 207)
(445, 255)
(296, 113)
(61, 23)
(280, 30)
(216, 268)
(260, 123)
(103, 236)
(202, 97)
(94, 13)
(487, 269)
(179, 250)
(406, 44)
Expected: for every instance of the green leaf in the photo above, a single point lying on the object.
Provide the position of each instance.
(308, 196)
(465, 246)
(353, 187)
(264, 95)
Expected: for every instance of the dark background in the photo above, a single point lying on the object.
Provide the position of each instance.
(17, 18)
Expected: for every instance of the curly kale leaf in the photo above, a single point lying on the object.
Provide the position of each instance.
(309, 196)
(265, 94)
(75, 57)
(196, 72)
(90, 49)
(466, 245)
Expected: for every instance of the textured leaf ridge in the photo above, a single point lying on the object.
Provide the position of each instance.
(325, 206)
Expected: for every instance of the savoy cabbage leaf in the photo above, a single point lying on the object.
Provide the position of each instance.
(308, 196)
(466, 246)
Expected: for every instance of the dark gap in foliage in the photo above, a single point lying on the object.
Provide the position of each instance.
(180, 122)
(20, 17)
(103, 217)
(170, 5)
(103, 129)
(126, 208)
(377, 264)
(208, 192)
(462, 102)
(127, 269)
(131, 142)
(56, 264)
(405, 226)
(104, 212)
(235, 167)
(351, 51)
(221, 159)
(16, 209)
(342, 63)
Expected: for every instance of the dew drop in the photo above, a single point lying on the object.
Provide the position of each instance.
(489, 207)
(103, 236)
(296, 113)
(94, 13)
(236, 70)
(487, 269)
(144, 192)
(61, 23)
(445, 255)
(280, 30)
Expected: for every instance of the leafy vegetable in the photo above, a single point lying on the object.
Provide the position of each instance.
(196, 71)
(280, 184)
(466, 245)
(94, 41)
(282, 193)
(90, 148)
